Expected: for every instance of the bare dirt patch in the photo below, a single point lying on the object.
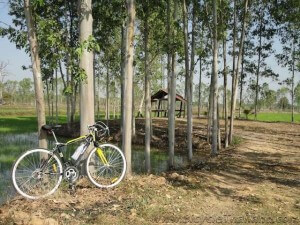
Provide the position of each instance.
(256, 182)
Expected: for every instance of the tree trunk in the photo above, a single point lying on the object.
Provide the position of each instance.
(171, 85)
(86, 63)
(128, 84)
(241, 86)
(188, 83)
(147, 97)
(200, 81)
(48, 99)
(140, 113)
(214, 84)
(107, 96)
(236, 76)
(52, 100)
(293, 81)
(123, 52)
(56, 98)
(225, 92)
(258, 68)
(133, 111)
(233, 71)
(37, 77)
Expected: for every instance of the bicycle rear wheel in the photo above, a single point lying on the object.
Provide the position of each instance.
(106, 166)
(37, 173)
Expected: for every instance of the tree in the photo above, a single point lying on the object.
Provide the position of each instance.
(297, 95)
(87, 111)
(214, 83)
(188, 81)
(37, 77)
(264, 32)
(235, 77)
(3, 74)
(128, 84)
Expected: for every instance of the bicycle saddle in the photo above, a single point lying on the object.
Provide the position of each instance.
(49, 128)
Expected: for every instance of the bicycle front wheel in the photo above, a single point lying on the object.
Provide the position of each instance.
(106, 166)
(37, 173)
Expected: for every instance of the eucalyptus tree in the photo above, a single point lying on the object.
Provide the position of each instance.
(3, 73)
(36, 69)
(188, 82)
(109, 17)
(286, 15)
(149, 44)
(172, 46)
(225, 16)
(128, 71)
(214, 81)
(263, 32)
(235, 76)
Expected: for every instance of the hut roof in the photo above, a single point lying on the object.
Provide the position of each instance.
(162, 94)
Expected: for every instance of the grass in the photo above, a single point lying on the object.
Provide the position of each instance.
(22, 124)
(274, 117)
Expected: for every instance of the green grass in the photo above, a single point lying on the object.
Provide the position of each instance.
(22, 124)
(275, 117)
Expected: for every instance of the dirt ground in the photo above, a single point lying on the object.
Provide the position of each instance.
(254, 182)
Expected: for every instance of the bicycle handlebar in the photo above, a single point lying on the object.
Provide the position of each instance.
(100, 127)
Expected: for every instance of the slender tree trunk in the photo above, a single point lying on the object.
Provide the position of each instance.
(140, 113)
(218, 121)
(56, 98)
(241, 86)
(214, 84)
(171, 85)
(147, 97)
(293, 81)
(37, 77)
(123, 51)
(128, 84)
(133, 111)
(48, 99)
(258, 67)
(98, 96)
(200, 81)
(107, 114)
(233, 71)
(188, 83)
(87, 113)
(225, 92)
(209, 111)
(236, 77)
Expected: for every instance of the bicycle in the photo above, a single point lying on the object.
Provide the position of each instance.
(38, 172)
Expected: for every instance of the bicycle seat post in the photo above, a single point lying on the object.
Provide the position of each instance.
(56, 142)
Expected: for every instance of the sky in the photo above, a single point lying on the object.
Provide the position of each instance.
(17, 58)
(9, 53)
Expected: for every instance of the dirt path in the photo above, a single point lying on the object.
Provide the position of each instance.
(257, 182)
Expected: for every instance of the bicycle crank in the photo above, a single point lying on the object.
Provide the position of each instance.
(71, 174)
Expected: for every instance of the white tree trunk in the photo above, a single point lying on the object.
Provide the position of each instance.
(236, 76)
(127, 123)
(171, 85)
(214, 84)
(86, 63)
(147, 99)
(188, 83)
(37, 77)
(225, 92)
(107, 97)
(233, 72)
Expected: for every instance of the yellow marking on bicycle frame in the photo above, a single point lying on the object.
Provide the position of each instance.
(76, 139)
(101, 156)
(54, 168)
(114, 180)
